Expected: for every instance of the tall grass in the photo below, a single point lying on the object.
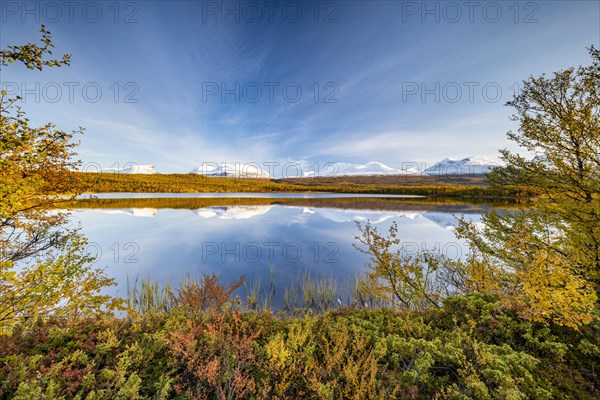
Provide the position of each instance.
(307, 293)
(258, 299)
(290, 298)
(319, 293)
(308, 287)
(327, 293)
(147, 296)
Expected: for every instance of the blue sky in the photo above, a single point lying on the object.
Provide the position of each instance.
(394, 82)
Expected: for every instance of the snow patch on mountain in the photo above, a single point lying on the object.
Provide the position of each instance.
(370, 168)
(131, 169)
(236, 170)
(464, 166)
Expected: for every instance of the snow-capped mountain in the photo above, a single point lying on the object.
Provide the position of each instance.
(132, 169)
(465, 166)
(448, 166)
(370, 168)
(236, 170)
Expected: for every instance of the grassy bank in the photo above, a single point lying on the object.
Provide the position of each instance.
(192, 183)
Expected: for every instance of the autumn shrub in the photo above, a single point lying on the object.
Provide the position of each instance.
(520, 257)
(92, 358)
(405, 280)
(524, 259)
(323, 357)
(215, 358)
(569, 359)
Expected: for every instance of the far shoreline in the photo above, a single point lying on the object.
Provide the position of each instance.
(458, 186)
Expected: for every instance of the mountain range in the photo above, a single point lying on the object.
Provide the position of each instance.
(447, 166)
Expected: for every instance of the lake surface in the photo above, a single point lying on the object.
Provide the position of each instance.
(272, 242)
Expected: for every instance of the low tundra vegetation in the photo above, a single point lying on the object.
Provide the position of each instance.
(473, 346)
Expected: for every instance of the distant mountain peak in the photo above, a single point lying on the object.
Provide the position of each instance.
(228, 170)
(473, 165)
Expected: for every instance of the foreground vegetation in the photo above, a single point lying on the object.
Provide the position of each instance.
(516, 319)
(471, 347)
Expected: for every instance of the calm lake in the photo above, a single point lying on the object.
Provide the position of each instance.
(271, 239)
